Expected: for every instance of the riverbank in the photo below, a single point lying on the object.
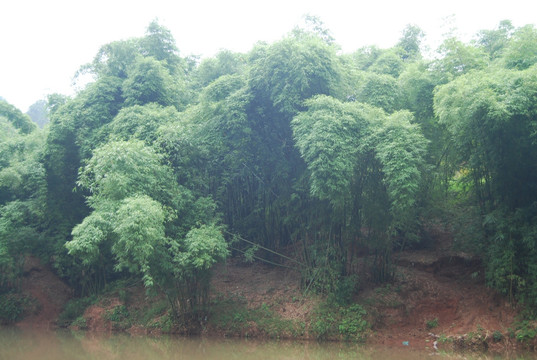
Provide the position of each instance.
(437, 300)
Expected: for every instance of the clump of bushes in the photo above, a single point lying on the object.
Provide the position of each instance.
(331, 320)
(74, 310)
(12, 307)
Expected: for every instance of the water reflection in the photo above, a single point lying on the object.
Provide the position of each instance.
(26, 344)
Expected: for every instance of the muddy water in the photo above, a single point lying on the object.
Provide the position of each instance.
(25, 344)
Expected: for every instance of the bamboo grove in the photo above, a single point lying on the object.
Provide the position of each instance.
(293, 153)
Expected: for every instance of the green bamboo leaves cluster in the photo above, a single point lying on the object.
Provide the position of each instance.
(490, 115)
(328, 136)
(336, 139)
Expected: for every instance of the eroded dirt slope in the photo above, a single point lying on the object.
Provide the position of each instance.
(50, 292)
(439, 293)
(434, 291)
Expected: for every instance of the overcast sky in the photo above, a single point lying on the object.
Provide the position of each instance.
(44, 42)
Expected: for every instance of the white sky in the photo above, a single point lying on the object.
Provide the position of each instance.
(44, 42)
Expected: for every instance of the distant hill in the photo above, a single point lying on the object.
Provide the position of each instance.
(38, 113)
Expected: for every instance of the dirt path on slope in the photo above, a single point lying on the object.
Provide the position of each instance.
(48, 290)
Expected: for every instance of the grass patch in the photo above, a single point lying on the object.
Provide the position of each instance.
(232, 316)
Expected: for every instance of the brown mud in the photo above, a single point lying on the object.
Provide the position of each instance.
(435, 293)
(51, 294)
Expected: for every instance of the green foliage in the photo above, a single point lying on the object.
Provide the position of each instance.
(400, 148)
(459, 58)
(489, 115)
(74, 310)
(380, 90)
(353, 325)
(295, 69)
(323, 274)
(121, 168)
(149, 81)
(157, 308)
(204, 246)
(495, 41)
(345, 290)
(499, 101)
(11, 307)
(139, 227)
(38, 113)
(525, 331)
(119, 316)
(113, 59)
(80, 323)
(364, 57)
(223, 63)
(7, 130)
(88, 236)
(389, 63)
(151, 226)
(417, 85)
(19, 120)
(410, 42)
(235, 318)
(521, 53)
(22, 193)
(511, 254)
(332, 321)
(328, 137)
(367, 164)
(159, 43)
(291, 145)
(431, 324)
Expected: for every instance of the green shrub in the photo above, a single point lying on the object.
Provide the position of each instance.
(323, 323)
(525, 331)
(80, 322)
(353, 323)
(11, 308)
(345, 289)
(431, 324)
(158, 308)
(74, 309)
(119, 316)
(331, 320)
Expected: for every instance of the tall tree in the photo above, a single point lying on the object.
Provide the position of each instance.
(521, 51)
(410, 42)
(159, 43)
(495, 41)
(352, 148)
(19, 120)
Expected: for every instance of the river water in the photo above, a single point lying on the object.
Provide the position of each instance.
(27, 344)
